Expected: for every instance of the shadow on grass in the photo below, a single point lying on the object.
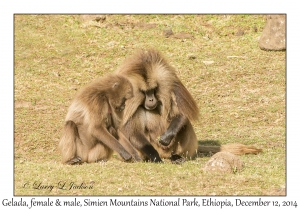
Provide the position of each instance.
(208, 143)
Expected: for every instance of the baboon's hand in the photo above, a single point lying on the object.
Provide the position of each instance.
(166, 138)
(126, 156)
(134, 159)
(157, 160)
(137, 158)
(177, 159)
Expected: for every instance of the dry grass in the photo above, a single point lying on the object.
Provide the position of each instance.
(240, 92)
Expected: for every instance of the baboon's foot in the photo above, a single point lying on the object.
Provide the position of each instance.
(177, 159)
(74, 161)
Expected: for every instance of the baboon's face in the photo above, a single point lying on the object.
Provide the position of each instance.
(121, 92)
(151, 101)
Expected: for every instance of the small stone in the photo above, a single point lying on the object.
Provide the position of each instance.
(191, 57)
(168, 32)
(73, 88)
(255, 29)
(56, 73)
(240, 33)
(100, 18)
(208, 62)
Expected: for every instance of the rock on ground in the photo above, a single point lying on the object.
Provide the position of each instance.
(273, 36)
(224, 162)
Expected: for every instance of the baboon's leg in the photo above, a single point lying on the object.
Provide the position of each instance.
(187, 142)
(141, 143)
(67, 143)
(98, 153)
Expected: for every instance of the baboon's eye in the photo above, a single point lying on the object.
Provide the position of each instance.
(155, 89)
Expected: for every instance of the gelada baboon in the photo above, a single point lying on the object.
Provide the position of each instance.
(157, 120)
(91, 126)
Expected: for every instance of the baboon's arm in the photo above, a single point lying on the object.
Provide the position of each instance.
(128, 146)
(101, 134)
(177, 123)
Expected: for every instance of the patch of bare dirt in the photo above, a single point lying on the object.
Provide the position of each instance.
(278, 191)
(22, 104)
(97, 18)
(101, 21)
(183, 35)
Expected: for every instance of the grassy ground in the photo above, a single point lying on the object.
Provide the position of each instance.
(239, 88)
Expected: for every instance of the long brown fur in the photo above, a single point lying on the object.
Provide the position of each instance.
(91, 125)
(147, 70)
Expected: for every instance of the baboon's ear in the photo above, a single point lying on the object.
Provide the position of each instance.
(115, 85)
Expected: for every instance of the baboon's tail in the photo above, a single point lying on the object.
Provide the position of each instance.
(236, 148)
(67, 144)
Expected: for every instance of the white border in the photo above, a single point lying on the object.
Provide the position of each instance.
(9, 8)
